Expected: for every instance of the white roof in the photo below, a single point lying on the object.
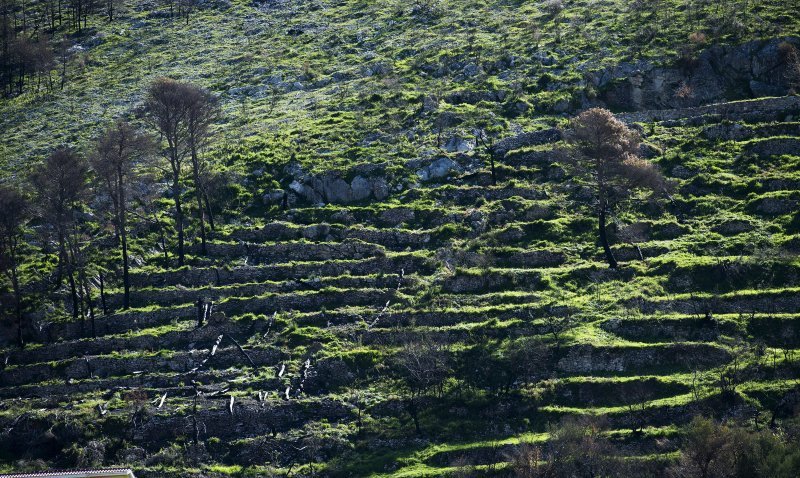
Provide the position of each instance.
(104, 472)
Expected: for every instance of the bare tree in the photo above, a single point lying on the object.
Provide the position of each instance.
(485, 134)
(117, 151)
(60, 184)
(604, 153)
(166, 105)
(202, 108)
(420, 366)
(14, 207)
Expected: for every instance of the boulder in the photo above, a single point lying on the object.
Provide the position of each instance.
(457, 144)
(439, 168)
(360, 188)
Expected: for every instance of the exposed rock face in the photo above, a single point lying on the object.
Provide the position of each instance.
(754, 69)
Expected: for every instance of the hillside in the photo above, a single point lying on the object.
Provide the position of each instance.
(405, 268)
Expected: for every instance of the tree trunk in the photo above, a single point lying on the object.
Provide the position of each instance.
(123, 234)
(73, 290)
(17, 301)
(612, 261)
(494, 174)
(89, 303)
(176, 191)
(199, 197)
(209, 212)
(414, 412)
(103, 294)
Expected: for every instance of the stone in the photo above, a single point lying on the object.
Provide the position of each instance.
(765, 148)
(682, 172)
(457, 144)
(439, 168)
(360, 188)
(336, 190)
(760, 88)
(316, 231)
(380, 188)
(429, 103)
(471, 70)
(648, 151)
(273, 196)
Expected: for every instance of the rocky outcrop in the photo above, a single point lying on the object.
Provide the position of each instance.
(367, 182)
(721, 72)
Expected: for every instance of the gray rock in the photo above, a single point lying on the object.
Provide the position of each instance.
(337, 190)
(380, 188)
(316, 231)
(273, 196)
(682, 172)
(760, 88)
(360, 188)
(429, 103)
(774, 147)
(534, 138)
(471, 70)
(648, 151)
(457, 144)
(439, 168)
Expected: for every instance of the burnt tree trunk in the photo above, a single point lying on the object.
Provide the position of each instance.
(612, 261)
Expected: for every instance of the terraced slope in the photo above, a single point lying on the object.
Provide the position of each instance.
(311, 305)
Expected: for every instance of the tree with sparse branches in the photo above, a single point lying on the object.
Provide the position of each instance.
(604, 153)
(14, 207)
(117, 151)
(61, 185)
(166, 107)
(202, 109)
(420, 366)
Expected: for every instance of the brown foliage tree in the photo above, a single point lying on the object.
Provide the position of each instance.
(604, 154)
(182, 113)
(202, 108)
(166, 107)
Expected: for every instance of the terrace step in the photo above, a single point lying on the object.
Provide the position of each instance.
(591, 359)
(295, 251)
(199, 277)
(176, 296)
(133, 319)
(105, 366)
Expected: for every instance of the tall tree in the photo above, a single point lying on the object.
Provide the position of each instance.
(117, 151)
(14, 207)
(166, 106)
(202, 108)
(60, 184)
(605, 155)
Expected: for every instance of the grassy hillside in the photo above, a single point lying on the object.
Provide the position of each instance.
(344, 82)
(499, 293)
